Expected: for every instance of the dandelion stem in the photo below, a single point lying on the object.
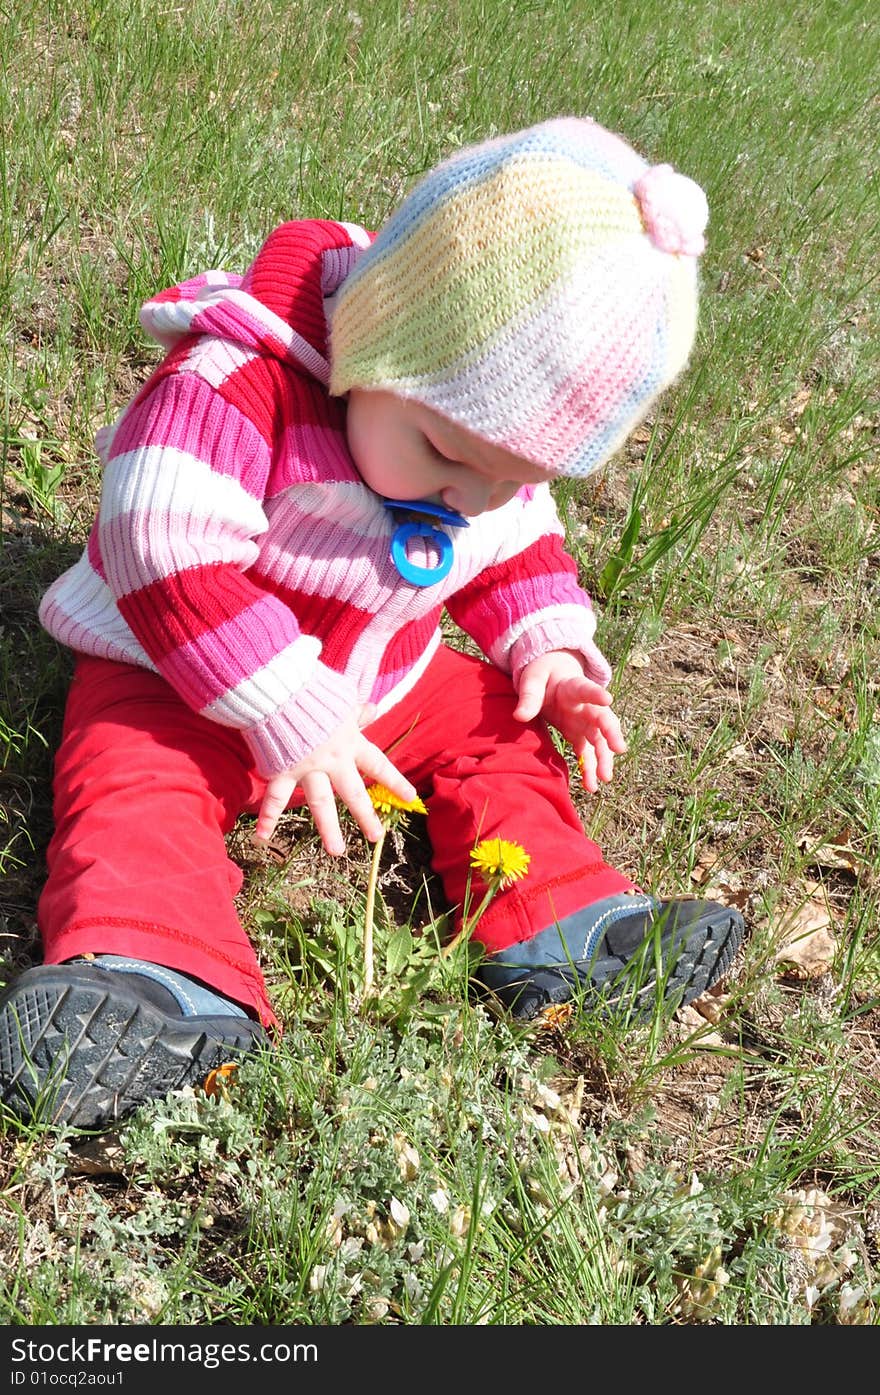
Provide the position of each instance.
(370, 912)
(468, 923)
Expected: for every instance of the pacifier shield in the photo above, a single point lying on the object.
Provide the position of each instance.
(417, 519)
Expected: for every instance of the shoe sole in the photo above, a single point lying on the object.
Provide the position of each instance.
(703, 957)
(76, 1052)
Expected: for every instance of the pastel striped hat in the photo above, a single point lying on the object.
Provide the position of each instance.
(540, 289)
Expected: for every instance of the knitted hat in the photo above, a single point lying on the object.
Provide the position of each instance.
(540, 289)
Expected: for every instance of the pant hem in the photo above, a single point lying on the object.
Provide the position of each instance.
(521, 914)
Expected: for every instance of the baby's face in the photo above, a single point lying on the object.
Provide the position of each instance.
(406, 451)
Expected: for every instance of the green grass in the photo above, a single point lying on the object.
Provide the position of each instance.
(415, 1160)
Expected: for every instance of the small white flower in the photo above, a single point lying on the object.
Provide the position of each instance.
(407, 1158)
(818, 1244)
(851, 1296)
(460, 1220)
(399, 1213)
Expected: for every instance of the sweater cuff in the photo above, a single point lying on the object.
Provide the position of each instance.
(305, 721)
(561, 634)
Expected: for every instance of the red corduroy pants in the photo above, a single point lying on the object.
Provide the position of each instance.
(146, 790)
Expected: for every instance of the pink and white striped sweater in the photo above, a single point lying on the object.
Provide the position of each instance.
(237, 551)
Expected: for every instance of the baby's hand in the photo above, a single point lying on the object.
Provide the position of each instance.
(555, 687)
(338, 768)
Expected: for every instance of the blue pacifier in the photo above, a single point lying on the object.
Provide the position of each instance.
(414, 521)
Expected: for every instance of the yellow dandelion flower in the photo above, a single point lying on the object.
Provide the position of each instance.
(499, 861)
(499, 864)
(385, 802)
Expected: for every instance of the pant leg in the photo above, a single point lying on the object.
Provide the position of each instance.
(145, 791)
(487, 775)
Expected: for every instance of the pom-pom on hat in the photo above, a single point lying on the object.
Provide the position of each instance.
(539, 289)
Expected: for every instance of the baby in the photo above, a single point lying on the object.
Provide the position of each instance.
(352, 436)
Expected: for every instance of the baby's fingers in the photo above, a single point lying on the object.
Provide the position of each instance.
(604, 757)
(587, 763)
(596, 761)
(584, 692)
(276, 798)
(376, 768)
(608, 724)
(318, 794)
(351, 790)
(532, 692)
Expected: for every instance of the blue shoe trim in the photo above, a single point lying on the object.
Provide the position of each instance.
(574, 939)
(192, 998)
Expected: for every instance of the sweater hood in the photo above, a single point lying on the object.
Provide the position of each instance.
(277, 308)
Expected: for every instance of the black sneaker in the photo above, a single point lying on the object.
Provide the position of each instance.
(676, 948)
(84, 1047)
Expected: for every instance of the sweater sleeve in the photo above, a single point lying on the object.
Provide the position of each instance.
(527, 600)
(181, 509)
